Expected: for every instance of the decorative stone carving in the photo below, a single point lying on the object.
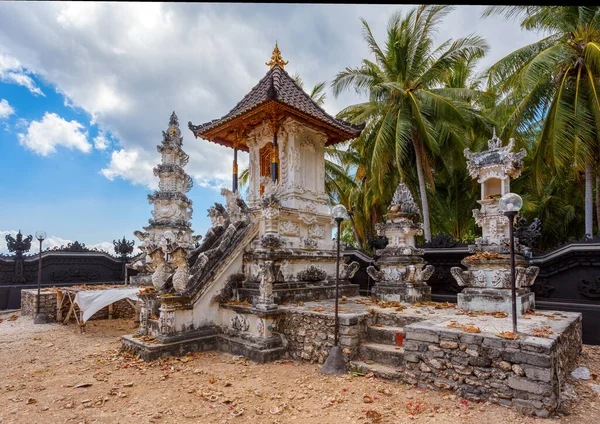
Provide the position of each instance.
(316, 231)
(294, 162)
(240, 323)
(289, 228)
(270, 241)
(309, 243)
(161, 271)
(182, 271)
(348, 270)
(309, 213)
(312, 273)
(269, 271)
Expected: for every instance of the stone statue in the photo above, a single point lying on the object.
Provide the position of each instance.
(268, 273)
(182, 272)
(161, 271)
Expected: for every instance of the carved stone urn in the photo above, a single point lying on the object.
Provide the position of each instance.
(400, 272)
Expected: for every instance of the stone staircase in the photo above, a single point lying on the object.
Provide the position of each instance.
(381, 352)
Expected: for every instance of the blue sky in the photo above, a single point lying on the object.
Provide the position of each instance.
(86, 89)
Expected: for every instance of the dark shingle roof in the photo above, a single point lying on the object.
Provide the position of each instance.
(277, 85)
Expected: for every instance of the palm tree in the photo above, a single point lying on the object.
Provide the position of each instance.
(554, 86)
(407, 108)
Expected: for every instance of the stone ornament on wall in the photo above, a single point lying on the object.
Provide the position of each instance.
(316, 231)
(269, 274)
(312, 273)
(240, 322)
(289, 228)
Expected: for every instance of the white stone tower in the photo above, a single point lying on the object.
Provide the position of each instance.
(170, 222)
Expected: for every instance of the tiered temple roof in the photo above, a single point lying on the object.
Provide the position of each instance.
(276, 96)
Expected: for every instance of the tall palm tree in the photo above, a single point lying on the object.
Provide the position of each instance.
(407, 108)
(555, 80)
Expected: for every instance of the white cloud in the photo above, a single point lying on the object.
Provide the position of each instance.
(130, 64)
(44, 136)
(11, 71)
(131, 164)
(101, 142)
(5, 109)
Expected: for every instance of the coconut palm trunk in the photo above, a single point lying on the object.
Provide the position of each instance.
(589, 203)
(422, 190)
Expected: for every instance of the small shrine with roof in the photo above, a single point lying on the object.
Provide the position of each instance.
(273, 247)
(487, 280)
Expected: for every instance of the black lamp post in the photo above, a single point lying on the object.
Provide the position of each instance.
(511, 204)
(335, 365)
(39, 318)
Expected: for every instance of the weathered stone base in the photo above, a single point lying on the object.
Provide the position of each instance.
(299, 291)
(524, 373)
(401, 292)
(495, 300)
(209, 339)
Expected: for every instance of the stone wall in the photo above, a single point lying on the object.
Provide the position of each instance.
(310, 335)
(525, 374)
(48, 302)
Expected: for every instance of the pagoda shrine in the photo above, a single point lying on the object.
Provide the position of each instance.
(275, 246)
(170, 223)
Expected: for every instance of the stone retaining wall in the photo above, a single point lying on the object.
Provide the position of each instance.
(310, 335)
(525, 374)
(48, 302)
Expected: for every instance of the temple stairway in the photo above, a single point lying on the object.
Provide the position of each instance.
(381, 352)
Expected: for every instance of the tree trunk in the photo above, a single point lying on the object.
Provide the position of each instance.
(598, 200)
(423, 191)
(589, 205)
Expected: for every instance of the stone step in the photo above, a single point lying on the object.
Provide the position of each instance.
(382, 353)
(395, 320)
(379, 370)
(384, 335)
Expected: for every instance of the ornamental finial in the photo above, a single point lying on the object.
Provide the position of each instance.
(276, 58)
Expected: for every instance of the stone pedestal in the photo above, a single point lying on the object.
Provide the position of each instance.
(495, 300)
(488, 283)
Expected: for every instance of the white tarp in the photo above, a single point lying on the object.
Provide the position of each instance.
(91, 301)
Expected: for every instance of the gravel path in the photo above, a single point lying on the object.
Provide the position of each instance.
(53, 374)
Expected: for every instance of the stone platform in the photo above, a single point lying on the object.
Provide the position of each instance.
(431, 346)
(427, 344)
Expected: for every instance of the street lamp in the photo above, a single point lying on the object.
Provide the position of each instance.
(335, 365)
(511, 204)
(39, 318)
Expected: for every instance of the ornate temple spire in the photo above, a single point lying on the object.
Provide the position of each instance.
(403, 204)
(276, 58)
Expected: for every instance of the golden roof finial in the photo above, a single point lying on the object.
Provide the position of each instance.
(276, 58)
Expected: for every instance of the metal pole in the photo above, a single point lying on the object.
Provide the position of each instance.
(511, 216)
(337, 283)
(235, 170)
(274, 159)
(37, 312)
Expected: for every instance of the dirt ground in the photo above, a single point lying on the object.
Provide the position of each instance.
(53, 374)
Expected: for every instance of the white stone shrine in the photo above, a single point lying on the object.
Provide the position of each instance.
(487, 280)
